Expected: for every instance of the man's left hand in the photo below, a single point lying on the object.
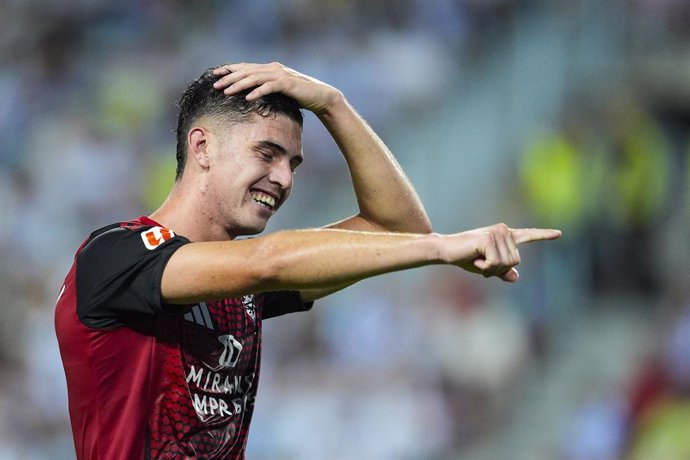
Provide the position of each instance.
(310, 93)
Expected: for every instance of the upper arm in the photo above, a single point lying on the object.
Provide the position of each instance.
(202, 271)
(213, 270)
(118, 273)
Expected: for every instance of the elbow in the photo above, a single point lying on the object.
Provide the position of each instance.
(417, 221)
(407, 224)
(424, 226)
(420, 224)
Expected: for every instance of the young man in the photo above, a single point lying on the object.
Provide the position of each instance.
(159, 319)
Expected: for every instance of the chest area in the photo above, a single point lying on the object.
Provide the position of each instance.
(223, 336)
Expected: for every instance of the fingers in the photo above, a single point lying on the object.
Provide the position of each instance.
(481, 266)
(265, 78)
(527, 235)
(501, 250)
(499, 254)
(507, 248)
(228, 69)
(497, 251)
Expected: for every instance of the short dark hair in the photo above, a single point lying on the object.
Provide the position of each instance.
(201, 98)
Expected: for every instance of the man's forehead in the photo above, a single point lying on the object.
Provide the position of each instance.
(275, 129)
(279, 131)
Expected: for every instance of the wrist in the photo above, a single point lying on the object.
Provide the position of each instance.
(336, 104)
(436, 252)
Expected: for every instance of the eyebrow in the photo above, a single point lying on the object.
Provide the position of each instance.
(281, 150)
(273, 146)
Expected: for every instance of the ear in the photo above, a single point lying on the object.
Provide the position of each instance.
(198, 143)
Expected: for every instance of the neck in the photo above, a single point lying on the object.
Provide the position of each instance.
(184, 213)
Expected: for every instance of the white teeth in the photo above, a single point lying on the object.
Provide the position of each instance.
(264, 199)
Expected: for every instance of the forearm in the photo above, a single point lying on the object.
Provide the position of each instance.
(323, 258)
(291, 260)
(387, 200)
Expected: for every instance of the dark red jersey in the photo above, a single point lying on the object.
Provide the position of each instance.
(150, 381)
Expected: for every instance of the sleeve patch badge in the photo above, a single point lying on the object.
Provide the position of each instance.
(155, 236)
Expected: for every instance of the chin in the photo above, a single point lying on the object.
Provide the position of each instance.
(251, 229)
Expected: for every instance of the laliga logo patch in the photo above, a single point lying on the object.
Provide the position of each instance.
(155, 236)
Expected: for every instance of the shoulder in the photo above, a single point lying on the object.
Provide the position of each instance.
(118, 271)
(131, 236)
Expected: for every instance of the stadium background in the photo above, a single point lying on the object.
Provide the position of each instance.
(565, 113)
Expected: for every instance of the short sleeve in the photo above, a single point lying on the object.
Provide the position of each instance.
(282, 303)
(119, 271)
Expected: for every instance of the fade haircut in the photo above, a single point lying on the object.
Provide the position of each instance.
(201, 99)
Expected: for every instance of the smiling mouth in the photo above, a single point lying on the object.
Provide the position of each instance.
(265, 200)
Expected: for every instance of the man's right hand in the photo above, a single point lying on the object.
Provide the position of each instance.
(493, 250)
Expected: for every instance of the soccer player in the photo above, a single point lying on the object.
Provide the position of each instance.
(159, 319)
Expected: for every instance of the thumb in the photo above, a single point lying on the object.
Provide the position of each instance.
(511, 275)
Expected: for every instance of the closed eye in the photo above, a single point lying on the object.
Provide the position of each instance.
(266, 154)
(268, 150)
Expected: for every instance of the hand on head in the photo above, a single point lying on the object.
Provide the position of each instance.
(310, 93)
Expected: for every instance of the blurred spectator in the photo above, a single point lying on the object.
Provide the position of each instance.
(553, 176)
(480, 345)
(598, 431)
(660, 424)
(635, 200)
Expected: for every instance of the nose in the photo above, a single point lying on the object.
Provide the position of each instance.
(281, 174)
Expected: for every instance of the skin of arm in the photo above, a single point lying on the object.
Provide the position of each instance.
(387, 200)
(320, 258)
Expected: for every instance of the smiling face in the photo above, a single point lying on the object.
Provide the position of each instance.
(249, 171)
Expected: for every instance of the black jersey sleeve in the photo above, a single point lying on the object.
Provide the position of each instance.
(119, 271)
(282, 303)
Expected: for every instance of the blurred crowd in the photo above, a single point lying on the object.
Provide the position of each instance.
(588, 357)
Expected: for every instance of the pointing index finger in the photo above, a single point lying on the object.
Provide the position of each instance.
(527, 235)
